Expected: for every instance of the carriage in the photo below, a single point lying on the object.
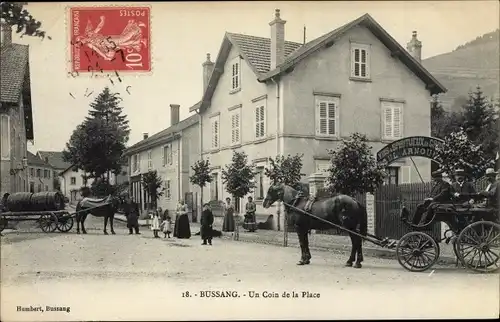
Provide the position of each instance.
(47, 208)
(474, 232)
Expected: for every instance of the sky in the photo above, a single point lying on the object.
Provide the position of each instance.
(183, 33)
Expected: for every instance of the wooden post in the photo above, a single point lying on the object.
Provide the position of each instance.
(285, 228)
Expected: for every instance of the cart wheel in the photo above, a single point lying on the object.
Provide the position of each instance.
(3, 223)
(478, 246)
(65, 223)
(417, 251)
(48, 223)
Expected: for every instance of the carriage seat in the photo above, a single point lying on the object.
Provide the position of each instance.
(94, 202)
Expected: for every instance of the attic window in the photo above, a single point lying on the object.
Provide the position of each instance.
(235, 75)
(360, 61)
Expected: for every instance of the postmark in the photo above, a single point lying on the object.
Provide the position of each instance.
(110, 39)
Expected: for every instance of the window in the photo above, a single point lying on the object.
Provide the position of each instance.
(32, 172)
(32, 187)
(168, 190)
(215, 132)
(46, 188)
(150, 159)
(5, 137)
(54, 174)
(235, 75)
(45, 173)
(392, 175)
(392, 120)
(260, 122)
(73, 180)
(360, 61)
(235, 127)
(214, 187)
(75, 169)
(322, 165)
(38, 173)
(405, 174)
(48, 174)
(39, 187)
(327, 117)
(259, 183)
(167, 154)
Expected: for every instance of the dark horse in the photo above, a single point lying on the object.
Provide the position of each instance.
(341, 210)
(105, 207)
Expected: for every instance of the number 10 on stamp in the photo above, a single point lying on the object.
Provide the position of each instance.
(110, 39)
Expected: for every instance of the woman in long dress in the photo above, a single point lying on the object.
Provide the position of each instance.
(181, 228)
(228, 224)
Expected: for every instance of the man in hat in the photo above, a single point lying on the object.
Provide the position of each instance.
(441, 193)
(207, 220)
(493, 188)
(463, 190)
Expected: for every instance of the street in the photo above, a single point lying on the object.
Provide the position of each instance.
(137, 277)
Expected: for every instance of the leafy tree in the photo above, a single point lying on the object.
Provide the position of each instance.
(201, 176)
(353, 167)
(100, 187)
(96, 146)
(14, 15)
(238, 175)
(459, 152)
(153, 184)
(285, 170)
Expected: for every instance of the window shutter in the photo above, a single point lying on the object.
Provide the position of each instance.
(216, 133)
(323, 115)
(405, 174)
(237, 127)
(332, 118)
(354, 53)
(397, 122)
(367, 63)
(163, 155)
(262, 121)
(387, 121)
(257, 119)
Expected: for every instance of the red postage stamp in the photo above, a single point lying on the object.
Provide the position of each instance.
(105, 39)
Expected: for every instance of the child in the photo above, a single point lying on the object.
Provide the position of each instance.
(166, 226)
(155, 224)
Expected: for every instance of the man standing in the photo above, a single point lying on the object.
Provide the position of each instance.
(463, 190)
(441, 193)
(206, 221)
(131, 210)
(493, 188)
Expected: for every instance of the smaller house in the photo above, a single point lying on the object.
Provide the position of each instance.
(40, 174)
(55, 159)
(171, 153)
(72, 180)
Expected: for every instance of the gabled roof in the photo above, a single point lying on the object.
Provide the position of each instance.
(165, 135)
(257, 52)
(15, 78)
(55, 159)
(35, 160)
(432, 84)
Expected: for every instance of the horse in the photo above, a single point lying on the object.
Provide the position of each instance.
(106, 207)
(341, 210)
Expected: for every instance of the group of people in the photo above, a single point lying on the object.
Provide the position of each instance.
(249, 222)
(180, 229)
(457, 191)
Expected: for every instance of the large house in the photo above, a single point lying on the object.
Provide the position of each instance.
(72, 180)
(171, 153)
(271, 97)
(41, 174)
(16, 120)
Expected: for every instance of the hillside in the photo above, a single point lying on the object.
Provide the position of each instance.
(460, 71)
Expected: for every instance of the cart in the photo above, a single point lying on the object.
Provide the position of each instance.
(48, 221)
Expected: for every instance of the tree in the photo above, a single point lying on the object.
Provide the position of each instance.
(459, 152)
(153, 184)
(286, 170)
(238, 175)
(353, 167)
(201, 176)
(96, 146)
(14, 15)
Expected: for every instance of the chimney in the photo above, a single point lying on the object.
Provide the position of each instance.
(208, 68)
(277, 40)
(174, 114)
(414, 47)
(6, 32)
(145, 136)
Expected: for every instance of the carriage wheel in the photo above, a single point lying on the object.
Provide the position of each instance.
(48, 223)
(65, 223)
(3, 223)
(417, 251)
(478, 246)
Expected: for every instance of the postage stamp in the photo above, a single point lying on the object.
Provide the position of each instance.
(104, 39)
